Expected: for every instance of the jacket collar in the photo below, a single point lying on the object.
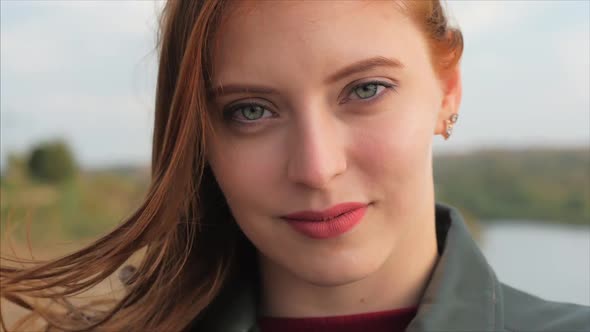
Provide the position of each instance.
(463, 293)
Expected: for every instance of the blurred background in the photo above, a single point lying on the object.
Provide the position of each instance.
(77, 83)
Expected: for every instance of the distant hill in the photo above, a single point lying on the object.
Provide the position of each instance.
(543, 184)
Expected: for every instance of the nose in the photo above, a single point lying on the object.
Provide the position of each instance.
(316, 151)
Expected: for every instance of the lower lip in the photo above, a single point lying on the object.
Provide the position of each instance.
(329, 228)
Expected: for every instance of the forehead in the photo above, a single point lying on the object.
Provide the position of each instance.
(310, 39)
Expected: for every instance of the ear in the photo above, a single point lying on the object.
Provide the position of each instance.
(452, 90)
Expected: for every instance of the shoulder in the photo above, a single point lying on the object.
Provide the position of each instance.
(526, 312)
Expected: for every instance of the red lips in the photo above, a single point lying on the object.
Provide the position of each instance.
(327, 214)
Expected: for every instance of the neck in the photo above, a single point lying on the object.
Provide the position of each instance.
(398, 283)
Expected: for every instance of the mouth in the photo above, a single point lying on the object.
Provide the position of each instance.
(328, 223)
(325, 215)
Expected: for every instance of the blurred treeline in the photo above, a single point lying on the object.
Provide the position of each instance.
(65, 203)
(545, 185)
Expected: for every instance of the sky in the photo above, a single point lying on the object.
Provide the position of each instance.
(85, 71)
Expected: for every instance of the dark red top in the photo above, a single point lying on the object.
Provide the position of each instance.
(382, 321)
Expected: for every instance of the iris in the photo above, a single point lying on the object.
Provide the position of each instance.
(366, 90)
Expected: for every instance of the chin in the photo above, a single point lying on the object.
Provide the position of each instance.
(335, 273)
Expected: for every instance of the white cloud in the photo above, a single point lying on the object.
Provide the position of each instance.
(479, 17)
(84, 70)
(573, 51)
(525, 73)
(70, 30)
(119, 17)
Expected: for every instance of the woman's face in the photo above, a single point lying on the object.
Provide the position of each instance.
(323, 103)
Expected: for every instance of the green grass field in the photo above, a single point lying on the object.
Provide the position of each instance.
(81, 208)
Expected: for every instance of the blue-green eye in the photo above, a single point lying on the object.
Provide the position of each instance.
(252, 112)
(247, 112)
(369, 90)
(366, 91)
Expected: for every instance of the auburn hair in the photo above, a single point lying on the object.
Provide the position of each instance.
(189, 241)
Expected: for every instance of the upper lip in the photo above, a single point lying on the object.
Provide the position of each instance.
(329, 213)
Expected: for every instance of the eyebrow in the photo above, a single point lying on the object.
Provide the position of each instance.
(364, 65)
(223, 90)
(354, 68)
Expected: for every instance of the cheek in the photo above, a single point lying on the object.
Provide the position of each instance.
(396, 145)
(245, 171)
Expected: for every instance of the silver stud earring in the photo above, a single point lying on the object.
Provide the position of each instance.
(449, 125)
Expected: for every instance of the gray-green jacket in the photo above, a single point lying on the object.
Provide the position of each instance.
(463, 294)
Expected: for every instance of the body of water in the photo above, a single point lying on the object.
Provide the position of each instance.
(551, 261)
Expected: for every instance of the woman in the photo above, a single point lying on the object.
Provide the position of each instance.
(292, 184)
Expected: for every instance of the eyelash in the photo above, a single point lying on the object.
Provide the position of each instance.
(228, 114)
(386, 85)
